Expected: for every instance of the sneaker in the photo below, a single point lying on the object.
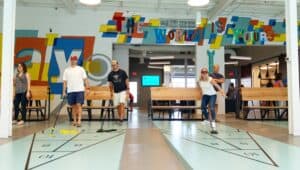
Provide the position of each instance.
(214, 128)
(214, 131)
(21, 122)
(213, 124)
(205, 123)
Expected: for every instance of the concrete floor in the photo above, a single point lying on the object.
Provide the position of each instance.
(143, 144)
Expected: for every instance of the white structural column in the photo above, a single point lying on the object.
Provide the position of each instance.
(292, 66)
(8, 43)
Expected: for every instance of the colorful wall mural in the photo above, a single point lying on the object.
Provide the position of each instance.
(48, 56)
(48, 69)
(225, 31)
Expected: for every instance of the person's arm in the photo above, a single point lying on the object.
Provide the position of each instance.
(28, 85)
(111, 88)
(85, 80)
(127, 85)
(87, 86)
(281, 83)
(64, 88)
(215, 84)
(64, 84)
(220, 80)
(126, 82)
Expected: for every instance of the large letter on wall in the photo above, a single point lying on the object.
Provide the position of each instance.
(63, 49)
(38, 44)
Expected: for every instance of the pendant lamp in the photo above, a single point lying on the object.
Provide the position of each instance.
(259, 73)
(90, 2)
(198, 3)
(267, 74)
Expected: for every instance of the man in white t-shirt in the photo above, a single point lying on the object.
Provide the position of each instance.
(74, 79)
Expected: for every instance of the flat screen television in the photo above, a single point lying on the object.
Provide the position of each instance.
(150, 80)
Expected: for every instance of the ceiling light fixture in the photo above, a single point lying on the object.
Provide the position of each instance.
(156, 67)
(232, 63)
(240, 58)
(198, 3)
(160, 63)
(90, 2)
(161, 57)
(274, 64)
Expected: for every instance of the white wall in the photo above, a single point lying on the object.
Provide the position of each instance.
(121, 54)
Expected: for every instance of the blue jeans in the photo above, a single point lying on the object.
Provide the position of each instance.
(211, 101)
(20, 98)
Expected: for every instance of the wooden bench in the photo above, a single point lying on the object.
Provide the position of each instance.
(267, 95)
(96, 99)
(161, 95)
(39, 102)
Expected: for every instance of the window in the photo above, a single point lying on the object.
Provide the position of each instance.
(180, 77)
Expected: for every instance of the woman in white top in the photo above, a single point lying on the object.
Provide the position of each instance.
(209, 96)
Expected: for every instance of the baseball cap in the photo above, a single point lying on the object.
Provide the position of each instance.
(74, 57)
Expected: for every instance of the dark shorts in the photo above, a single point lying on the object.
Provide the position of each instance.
(75, 98)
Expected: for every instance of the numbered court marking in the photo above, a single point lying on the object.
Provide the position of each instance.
(46, 149)
(231, 141)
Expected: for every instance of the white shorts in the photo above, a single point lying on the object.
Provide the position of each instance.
(120, 98)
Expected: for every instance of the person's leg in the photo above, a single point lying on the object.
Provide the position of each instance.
(204, 102)
(123, 99)
(74, 114)
(79, 103)
(16, 105)
(121, 110)
(72, 103)
(131, 104)
(79, 113)
(23, 106)
(212, 101)
(123, 96)
(117, 103)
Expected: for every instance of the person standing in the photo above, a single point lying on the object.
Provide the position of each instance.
(131, 98)
(22, 93)
(119, 87)
(219, 79)
(231, 92)
(74, 79)
(278, 81)
(209, 95)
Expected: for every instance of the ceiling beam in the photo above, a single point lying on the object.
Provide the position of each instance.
(70, 6)
(219, 7)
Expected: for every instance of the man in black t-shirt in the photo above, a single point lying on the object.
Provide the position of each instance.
(119, 87)
(219, 78)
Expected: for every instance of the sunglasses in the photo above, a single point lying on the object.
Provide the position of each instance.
(204, 72)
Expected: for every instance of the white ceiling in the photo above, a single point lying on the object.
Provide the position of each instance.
(251, 8)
